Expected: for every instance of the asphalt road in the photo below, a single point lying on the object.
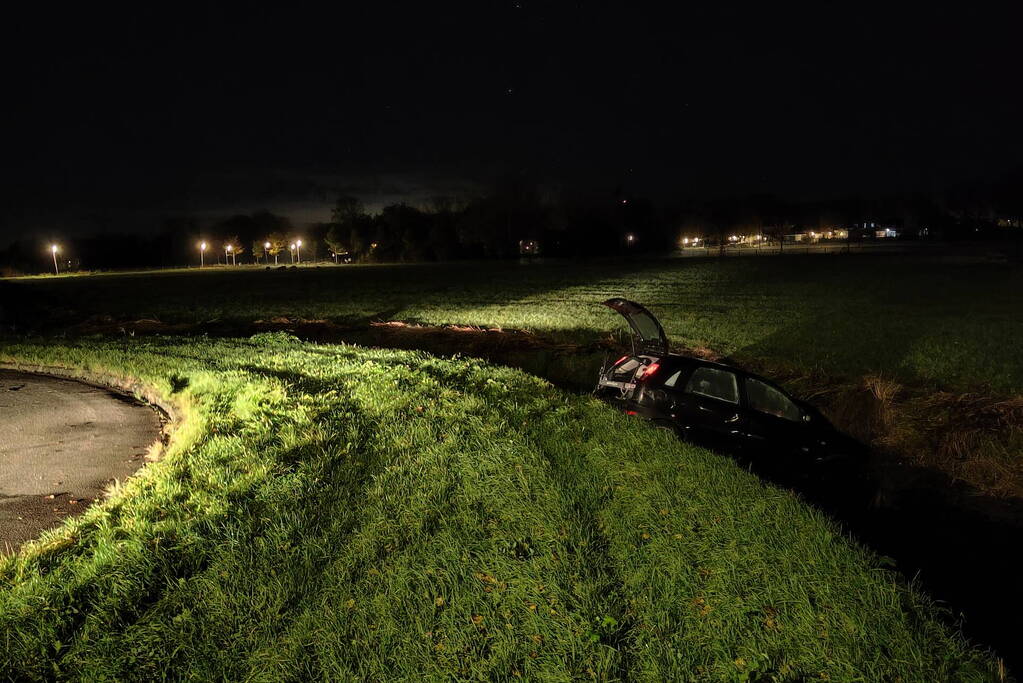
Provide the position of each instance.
(61, 443)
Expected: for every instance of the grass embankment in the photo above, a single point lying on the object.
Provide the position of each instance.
(337, 512)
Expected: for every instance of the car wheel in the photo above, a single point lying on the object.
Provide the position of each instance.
(671, 427)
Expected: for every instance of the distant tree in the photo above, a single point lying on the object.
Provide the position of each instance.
(260, 250)
(723, 216)
(337, 240)
(402, 233)
(442, 240)
(440, 204)
(351, 229)
(264, 223)
(347, 210)
(277, 244)
(242, 227)
(775, 217)
(268, 227)
(233, 247)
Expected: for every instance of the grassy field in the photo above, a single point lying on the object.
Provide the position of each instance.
(912, 317)
(332, 512)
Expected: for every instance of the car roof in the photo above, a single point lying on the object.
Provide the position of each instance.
(693, 360)
(702, 362)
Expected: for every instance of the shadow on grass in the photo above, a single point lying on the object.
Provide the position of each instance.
(936, 529)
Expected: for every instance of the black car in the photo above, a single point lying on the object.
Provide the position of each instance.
(720, 405)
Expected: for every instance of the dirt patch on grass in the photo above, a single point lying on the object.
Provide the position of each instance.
(464, 339)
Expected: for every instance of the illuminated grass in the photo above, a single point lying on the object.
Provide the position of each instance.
(332, 512)
(956, 325)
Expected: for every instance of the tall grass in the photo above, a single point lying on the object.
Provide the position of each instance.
(334, 512)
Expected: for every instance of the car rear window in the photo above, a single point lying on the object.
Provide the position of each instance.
(647, 326)
(720, 384)
(626, 368)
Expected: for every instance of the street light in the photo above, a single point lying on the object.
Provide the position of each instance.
(298, 245)
(266, 253)
(53, 250)
(202, 254)
(229, 255)
(292, 252)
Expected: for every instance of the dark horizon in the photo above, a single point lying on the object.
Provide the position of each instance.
(118, 121)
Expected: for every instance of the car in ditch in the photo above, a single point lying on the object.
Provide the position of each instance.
(720, 405)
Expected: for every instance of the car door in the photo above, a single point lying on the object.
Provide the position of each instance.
(708, 405)
(773, 420)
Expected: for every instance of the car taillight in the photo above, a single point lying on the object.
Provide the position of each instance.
(619, 361)
(647, 370)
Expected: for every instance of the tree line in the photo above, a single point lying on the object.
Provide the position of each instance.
(501, 224)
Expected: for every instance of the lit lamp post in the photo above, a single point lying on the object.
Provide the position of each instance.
(202, 254)
(53, 250)
(298, 246)
(266, 253)
(228, 255)
(292, 252)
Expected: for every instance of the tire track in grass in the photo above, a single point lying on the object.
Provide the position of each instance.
(466, 568)
(584, 491)
(732, 579)
(597, 588)
(271, 555)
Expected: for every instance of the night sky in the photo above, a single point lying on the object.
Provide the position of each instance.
(170, 111)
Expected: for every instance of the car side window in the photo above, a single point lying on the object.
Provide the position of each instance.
(764, 398)
(720, 384)
(671, 381)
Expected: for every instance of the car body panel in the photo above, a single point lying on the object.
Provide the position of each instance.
(702, 415)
